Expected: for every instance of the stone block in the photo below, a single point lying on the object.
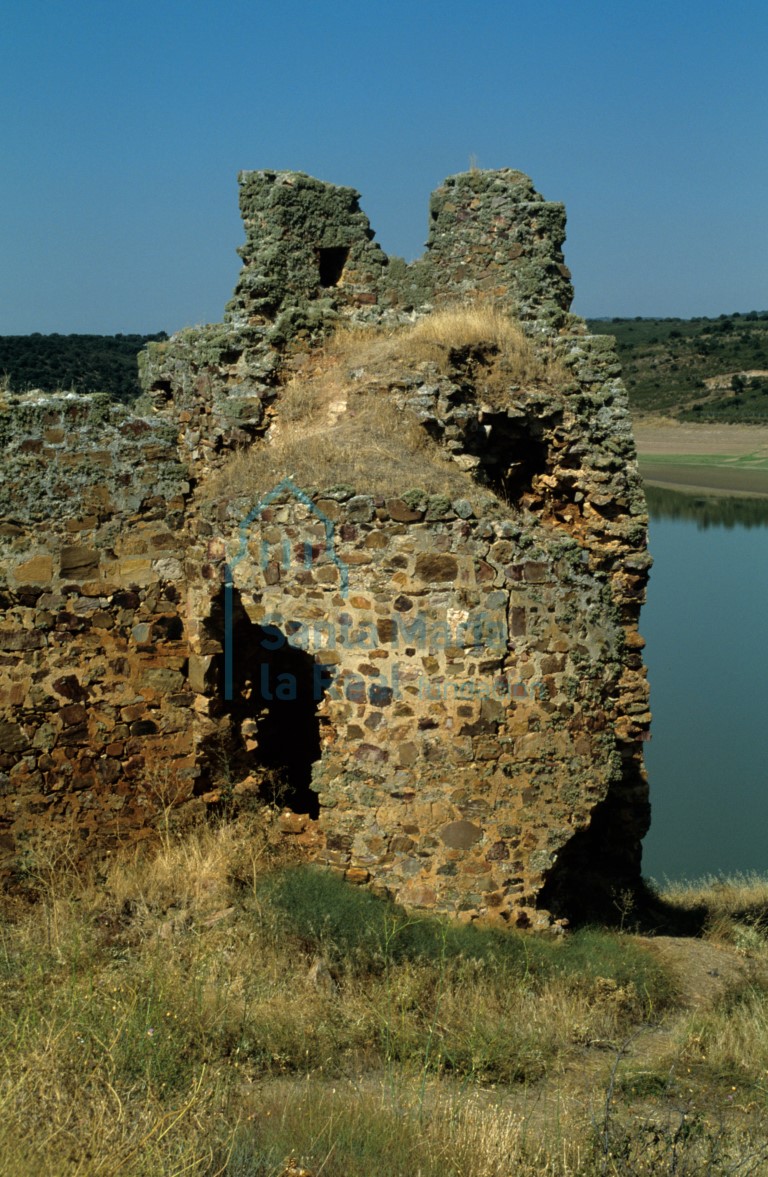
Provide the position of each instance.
(133, 570)
(198, 667)
(360, 509)
(401, 512)
(35, 570)
(436, 568)
(78, 562)
(417, 894)
(12, 738)
(460, 835)
(161, 679)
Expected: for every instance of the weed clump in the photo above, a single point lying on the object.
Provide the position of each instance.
(355, 929)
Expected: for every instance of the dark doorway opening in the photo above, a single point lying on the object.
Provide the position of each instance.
(332, 261)
(269, 727)
(510, 454)
(513, 460)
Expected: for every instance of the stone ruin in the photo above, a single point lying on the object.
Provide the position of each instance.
(439, 692)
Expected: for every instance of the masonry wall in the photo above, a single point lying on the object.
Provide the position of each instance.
(93, 685)
(470, 684)
(444, 695)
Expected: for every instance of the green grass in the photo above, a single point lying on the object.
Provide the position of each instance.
(355, 929)
(740, 461)
(203, 1010)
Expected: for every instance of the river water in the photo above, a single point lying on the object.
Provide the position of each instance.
(706, 628)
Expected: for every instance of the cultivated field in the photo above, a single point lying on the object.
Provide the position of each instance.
(729, 459)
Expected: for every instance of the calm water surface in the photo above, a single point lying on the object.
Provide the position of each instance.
(706, 628)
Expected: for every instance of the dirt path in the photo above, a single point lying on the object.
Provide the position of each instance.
(580, 1089)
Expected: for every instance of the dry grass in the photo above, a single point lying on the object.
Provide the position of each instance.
(162, 1017)
(345, 1129)
(732, 1038)
(484, 328)
(327, 433)
(736, 906)
(340, 420)
(724, 894)
(443, 339)
(729, 1041)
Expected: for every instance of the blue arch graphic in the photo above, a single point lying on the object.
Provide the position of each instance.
(286, 484)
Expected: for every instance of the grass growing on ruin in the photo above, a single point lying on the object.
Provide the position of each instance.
(476, 339)
(202, 1008)
(501, 355)
(339, 419)
(329, 432)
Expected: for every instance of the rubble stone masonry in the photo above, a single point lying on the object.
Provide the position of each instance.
(443, 695)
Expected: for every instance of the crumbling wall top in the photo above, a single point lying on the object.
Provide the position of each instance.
(491, 232)
(304, 239)
(309, 245)
(445, 601)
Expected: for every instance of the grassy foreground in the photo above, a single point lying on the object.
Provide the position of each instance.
(206, 1009)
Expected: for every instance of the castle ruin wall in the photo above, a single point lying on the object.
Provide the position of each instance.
(444, 696)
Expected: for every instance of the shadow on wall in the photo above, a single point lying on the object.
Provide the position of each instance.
(269, 728)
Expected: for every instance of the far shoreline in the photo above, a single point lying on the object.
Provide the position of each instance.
(703, 459)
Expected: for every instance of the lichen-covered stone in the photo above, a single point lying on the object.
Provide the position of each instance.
(447, 690)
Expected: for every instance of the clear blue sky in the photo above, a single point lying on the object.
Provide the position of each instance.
(124, 127)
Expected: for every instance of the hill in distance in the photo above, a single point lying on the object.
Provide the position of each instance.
(80, 363)
(713, 370)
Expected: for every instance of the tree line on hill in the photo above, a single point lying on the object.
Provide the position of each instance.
(701, 369)
(666, 364)
(76, 363)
